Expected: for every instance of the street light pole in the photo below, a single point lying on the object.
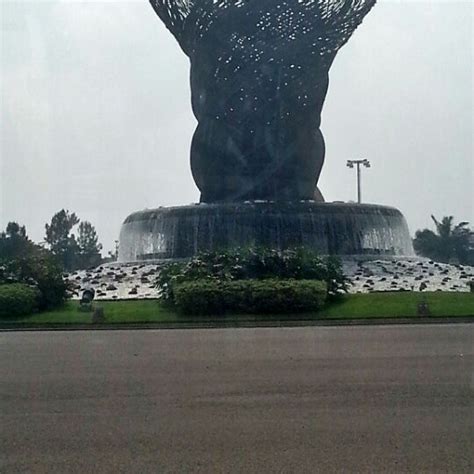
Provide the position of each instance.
(357, 163)
(359, 196)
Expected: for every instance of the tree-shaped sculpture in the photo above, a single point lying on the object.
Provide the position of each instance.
(259, 78)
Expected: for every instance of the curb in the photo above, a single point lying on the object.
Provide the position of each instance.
(238, 324)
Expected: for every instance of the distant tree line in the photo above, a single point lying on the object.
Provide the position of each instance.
(72, 250)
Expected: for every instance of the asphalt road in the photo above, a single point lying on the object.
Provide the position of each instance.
(352, 399)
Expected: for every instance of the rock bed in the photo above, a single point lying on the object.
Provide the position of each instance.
(119, 281)
(407, 275)
(128, 281)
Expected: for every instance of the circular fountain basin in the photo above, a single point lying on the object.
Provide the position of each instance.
(328, 228)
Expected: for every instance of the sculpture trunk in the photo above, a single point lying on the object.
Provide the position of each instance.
(259, 78)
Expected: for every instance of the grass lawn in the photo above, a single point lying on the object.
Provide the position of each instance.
(140, 311)
(360, 306)
(400, 304)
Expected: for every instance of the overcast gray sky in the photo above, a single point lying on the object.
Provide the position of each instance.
(96, 117)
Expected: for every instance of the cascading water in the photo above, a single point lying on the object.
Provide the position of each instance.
(329, 228)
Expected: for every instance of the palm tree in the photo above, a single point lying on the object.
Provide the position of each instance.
(450, 243)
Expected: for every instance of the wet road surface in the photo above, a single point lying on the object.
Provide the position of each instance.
(352, 399)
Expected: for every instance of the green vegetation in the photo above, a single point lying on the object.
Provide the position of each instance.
(73, 252)
(144, 311)
(211, 297)
(449, 243)
(254, 264)
(361, 306)
(22, 261)
(400, 304)
(17, 299)
(32, 265)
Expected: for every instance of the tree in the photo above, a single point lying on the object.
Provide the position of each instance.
(449, 243)
(22, 261)
(14, 242)
(89, 247)
(60, 240)
(73, 253)
(15, 230)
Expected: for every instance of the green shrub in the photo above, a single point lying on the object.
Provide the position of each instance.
(210, 296)
(17, 299)
(40, 269)
(259, 264)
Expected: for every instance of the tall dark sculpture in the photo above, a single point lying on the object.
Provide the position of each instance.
(259, 78)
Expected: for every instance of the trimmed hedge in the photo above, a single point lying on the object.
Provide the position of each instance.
(210, 297)
(17, 299)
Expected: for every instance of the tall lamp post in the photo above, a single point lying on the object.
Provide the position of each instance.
(357, 164)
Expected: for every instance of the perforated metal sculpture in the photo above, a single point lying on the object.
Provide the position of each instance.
(259, 78)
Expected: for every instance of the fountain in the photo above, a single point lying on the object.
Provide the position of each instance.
(329, 228)
(259, 79)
